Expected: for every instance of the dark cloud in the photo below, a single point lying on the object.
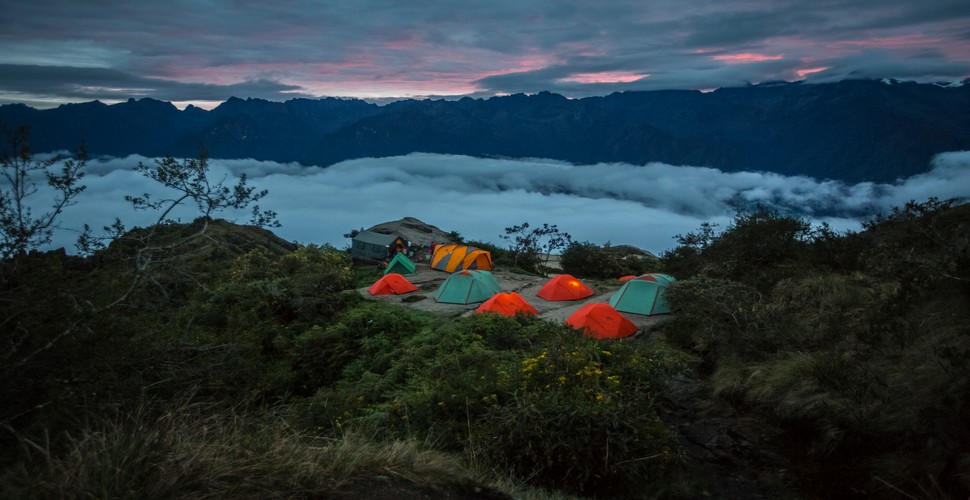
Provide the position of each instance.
(733, 28)
(185, 50)
(102, 83)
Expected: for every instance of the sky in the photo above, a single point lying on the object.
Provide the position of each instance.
(641, 205)
(203, 52)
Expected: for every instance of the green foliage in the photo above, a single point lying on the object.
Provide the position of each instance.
(565, 397)
(301, 285)
(758, 248)
(924, 244)
(855, 344)
(588, 260)
(583, 418)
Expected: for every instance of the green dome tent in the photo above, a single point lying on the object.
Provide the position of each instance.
(467, 287)
(400, 264)
(643, 295)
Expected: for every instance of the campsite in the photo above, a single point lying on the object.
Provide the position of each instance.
(406, 248)
(428, 281)
(768, 360)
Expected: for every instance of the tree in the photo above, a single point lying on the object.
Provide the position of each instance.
(148, 256)
(527, 243)
(21, 227)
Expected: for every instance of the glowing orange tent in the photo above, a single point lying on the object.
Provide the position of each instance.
(392, 283)
(564, 287)
(508, 304)
(627, 277)
(454, 257)
(601, 321)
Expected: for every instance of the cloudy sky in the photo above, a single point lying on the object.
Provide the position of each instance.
(55, 51)
(642, 205)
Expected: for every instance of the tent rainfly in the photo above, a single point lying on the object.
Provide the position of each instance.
(564, 287)
(507, 304)
(400, 264)
(391, 284)
(467, 287)
(454, 257)
(664, 279)
(643, 295)
(601, 321)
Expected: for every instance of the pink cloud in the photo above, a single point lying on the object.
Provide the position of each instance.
(802, 73)
(746, 58)
(605, 77)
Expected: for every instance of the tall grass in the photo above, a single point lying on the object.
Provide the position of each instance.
(192, 451)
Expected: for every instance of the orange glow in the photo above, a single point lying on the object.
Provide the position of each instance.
(605, 77)
(746, 58)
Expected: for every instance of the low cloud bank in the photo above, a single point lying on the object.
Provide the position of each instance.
(644, 205)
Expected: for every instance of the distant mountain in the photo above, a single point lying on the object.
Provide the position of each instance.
(852, 130)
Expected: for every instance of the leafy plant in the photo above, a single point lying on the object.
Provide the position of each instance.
(589, 260)
(528, 243)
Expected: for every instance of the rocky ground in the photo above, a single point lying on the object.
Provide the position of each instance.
(428, 280)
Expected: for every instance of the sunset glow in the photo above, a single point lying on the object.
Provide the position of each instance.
(391, 48)
(746, 58)
(605, 77)
(802, 73)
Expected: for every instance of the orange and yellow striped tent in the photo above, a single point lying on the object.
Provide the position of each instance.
(455, 257)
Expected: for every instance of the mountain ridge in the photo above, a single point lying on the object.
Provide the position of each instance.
(853, 130)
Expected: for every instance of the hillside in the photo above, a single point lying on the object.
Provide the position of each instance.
(871, 130)
(797, 363)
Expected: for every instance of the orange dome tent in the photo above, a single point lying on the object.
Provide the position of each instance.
(601, 321)
(508, 304)
(564, 287)
(626, 278)
(392, 283)
(454, 257)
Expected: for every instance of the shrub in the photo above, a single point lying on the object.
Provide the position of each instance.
(588, 260)
(581, 416)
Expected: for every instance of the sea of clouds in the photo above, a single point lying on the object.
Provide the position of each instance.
(642, 205)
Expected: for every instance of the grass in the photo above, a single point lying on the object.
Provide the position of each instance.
(197, 450)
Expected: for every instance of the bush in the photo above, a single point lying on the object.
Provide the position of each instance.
(581, 416)
(758, 249)
(588, 260)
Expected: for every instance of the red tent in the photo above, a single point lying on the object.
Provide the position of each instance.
(564, 287)
(508, 304)
(601, 321)
(627, 277)
(391, 283)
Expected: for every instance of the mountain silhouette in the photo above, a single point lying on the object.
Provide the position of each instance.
(854, 130)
